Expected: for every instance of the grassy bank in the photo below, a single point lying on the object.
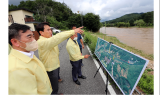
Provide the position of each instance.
(146, 81)
(132, 27)
(143, 26)
(116, 42)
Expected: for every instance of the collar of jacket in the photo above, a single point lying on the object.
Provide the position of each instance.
(41, 37)
(73, 41)
(21, 56)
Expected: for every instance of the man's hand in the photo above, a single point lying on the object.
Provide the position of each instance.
(86, 56)
(78, 30)
(83, 46)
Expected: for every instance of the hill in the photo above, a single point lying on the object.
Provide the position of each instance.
(147, 17)
(126, 18)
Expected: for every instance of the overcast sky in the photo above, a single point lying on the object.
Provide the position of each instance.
(106, 9)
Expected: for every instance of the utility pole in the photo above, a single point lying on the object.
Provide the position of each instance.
(38, 11)
(82, 18)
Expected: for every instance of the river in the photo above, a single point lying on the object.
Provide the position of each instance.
(140, 38)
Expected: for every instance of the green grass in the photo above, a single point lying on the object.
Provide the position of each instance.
(146, 83)
(91, 41)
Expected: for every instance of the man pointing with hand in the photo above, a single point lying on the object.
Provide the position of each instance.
(47, 49)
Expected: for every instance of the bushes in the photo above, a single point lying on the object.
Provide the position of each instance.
(118, 24)
(139, 22)
(122, 24)
(146, 83)
(91, 41)
(87, 39)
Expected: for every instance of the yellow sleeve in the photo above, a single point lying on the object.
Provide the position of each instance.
(53, 41)
(9, 48)
(22, 82)
(57, 49)
(73, 54)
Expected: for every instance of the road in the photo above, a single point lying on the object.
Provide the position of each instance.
(88, 86)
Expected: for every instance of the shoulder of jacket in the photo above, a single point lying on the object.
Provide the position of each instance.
(40, 42)
(69, 43)
(12, 59)
(21, 70)
(17, 64)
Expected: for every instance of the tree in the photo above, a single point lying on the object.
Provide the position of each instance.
(54, 23)
(108, 25)
(28, 5)
(59, 15)
(74, 19)
(43, 9)
(101, 24)
(127, 24)
(139, 22)
(92, 22)
(148, 17)
(12, 7)
(119, 24)
(131, 22)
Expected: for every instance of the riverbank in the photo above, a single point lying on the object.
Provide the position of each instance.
(140, 38)
(136, 27)
(120, 44)
(142, 27)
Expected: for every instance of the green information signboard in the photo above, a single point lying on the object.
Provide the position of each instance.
(124, 67)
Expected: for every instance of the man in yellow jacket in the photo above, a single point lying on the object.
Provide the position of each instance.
(48, 53)
(75, 57)
(27, 74)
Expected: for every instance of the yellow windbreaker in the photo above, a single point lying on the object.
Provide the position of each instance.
(73, 50)
(27, 75)
(9, 48)
(47, 49)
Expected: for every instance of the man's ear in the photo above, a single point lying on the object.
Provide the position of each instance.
(15, 42)
(41, 32)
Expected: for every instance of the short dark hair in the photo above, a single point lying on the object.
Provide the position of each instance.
(73, 26)
(14, 30)
(40, 27)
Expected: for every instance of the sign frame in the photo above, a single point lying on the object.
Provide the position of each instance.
(142, 71)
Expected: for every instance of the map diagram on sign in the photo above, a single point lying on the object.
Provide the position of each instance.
(124, 67)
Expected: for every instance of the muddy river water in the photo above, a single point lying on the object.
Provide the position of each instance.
(140, 38)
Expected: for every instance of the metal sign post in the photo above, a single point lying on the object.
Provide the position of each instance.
(107, 84)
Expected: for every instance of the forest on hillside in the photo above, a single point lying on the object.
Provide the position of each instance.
(59, 15)
(139, 19)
